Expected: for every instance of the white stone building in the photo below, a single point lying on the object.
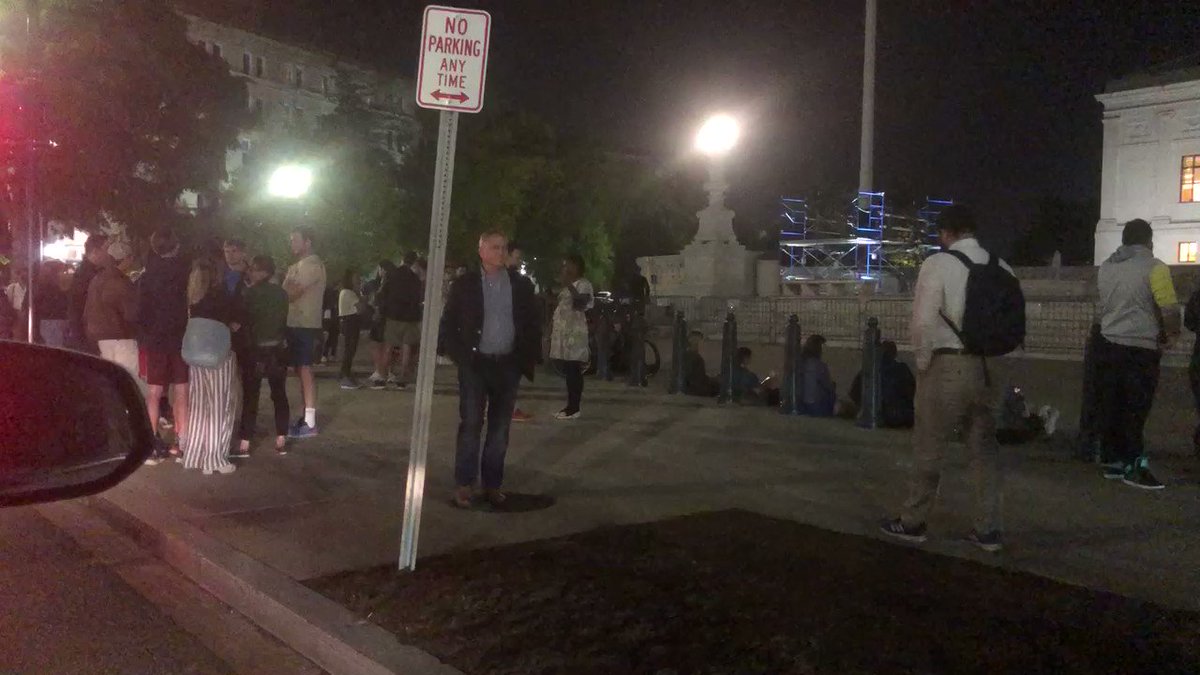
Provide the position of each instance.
(291, 87)
(1152, 162)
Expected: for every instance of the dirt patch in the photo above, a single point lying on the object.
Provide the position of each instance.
(737, 592)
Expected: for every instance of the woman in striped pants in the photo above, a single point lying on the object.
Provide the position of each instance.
(215, 394)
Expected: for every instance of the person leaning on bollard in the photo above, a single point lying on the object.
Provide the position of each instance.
(953, 328)
(1139, 317)
(491, 329)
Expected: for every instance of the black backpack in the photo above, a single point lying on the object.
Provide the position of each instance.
(994, 320)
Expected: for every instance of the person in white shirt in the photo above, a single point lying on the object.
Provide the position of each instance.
(351, 328)
(953, 390)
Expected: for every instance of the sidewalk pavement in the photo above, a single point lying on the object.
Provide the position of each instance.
(636, 455)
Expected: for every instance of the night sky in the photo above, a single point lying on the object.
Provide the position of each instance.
(986, 102)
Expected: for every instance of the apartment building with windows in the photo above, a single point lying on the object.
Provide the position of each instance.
(290, 87)
(1151, 164)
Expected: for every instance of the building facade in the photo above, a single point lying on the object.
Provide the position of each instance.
(1151, 167)
(289, 88)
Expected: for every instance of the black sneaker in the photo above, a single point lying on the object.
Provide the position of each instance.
(893, 527)
(1139, 476)
(159, 455)
(377, 383)
(989, 542)
(1114, 470)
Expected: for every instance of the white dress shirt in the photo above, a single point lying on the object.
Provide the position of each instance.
(942, 288)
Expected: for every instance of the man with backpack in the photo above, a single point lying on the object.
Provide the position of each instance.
(967, 306)
(1139, 316)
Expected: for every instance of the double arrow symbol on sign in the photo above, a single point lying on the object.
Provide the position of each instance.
(461, 97)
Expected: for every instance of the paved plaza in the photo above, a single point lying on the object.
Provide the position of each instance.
(639, 455)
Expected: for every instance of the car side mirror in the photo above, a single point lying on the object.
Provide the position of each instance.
(71, 424)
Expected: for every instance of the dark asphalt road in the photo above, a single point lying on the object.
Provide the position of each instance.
(64, 612)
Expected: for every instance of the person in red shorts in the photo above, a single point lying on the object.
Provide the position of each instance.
(162, 321)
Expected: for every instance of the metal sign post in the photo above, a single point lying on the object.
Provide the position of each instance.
(453, 67)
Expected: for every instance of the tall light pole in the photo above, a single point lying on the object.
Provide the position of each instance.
(866, 157)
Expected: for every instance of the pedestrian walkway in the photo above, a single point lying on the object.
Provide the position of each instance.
(334, 502)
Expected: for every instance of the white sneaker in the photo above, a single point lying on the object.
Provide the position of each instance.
(1049, 419)
(227, 469)
(564, 415)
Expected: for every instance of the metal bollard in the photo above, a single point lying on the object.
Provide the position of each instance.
(869, 414)
(636, 358)
(728, 358)
(1088, 449)
(678, 348)
(604, 346)
(791, 394)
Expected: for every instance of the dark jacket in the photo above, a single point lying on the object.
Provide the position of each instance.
(401, 295)
(162, 303)
(462, 321)
(219, 305)
(897, 391)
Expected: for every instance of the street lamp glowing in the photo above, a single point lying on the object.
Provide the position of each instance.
(718, 135)
(290, 181)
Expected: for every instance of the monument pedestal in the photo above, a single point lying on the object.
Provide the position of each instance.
(718, 268)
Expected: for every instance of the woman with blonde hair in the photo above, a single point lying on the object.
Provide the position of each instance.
(214, 389)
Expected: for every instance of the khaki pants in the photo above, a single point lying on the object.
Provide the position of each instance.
(124, 353)
(952, 395)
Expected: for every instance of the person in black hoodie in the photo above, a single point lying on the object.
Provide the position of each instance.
(162, 320)
(94, 255)
(400, 303)
(492, 330)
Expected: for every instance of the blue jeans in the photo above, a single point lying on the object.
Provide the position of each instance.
(488, 385)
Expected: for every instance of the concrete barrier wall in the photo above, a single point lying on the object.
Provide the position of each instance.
(1054, 327)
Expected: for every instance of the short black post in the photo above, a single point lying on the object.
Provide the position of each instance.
(868, 415)
(678, 348)
(791, 394)
(728, 355)
(1089, 436)
(604, 346)
(635, 339)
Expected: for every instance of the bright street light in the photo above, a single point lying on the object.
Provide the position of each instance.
(718, 135)
(290, 181)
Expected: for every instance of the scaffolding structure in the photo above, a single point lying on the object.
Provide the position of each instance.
(866, 246)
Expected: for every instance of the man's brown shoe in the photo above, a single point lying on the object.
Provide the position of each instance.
(495, 497)
(462, 496)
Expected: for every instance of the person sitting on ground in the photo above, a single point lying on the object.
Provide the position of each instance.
(1016, 423)
(696, 381)
(897, 389)
(819, 392)
(747, 387)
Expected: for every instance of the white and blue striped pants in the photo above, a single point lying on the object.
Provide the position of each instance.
(214, 400)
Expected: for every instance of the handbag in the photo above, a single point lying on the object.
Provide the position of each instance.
(206, 343)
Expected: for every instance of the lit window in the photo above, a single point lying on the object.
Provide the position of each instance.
(260, 66)
(246, 58)
(1188, 251)
(1189, 179)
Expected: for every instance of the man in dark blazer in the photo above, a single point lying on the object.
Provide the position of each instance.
(492, 330)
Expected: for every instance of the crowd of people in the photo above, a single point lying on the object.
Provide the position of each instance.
(201, 331)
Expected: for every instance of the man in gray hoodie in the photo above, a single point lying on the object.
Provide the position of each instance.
(1139, 317)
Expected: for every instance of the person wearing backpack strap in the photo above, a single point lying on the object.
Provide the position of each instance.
(1139, 317)
(967, 306)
